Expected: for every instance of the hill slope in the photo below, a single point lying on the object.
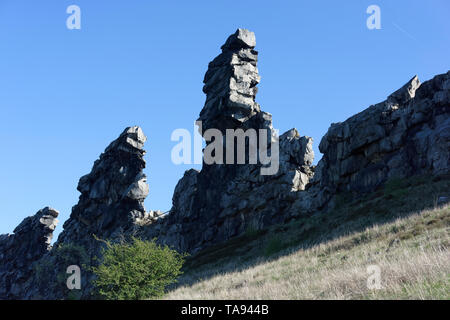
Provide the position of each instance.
(400, 228)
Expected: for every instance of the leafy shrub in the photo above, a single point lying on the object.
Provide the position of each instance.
(136, 270)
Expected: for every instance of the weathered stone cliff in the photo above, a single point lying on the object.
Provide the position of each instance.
(225, 200)
(407, 134)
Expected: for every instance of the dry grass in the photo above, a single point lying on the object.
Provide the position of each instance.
(412, 254)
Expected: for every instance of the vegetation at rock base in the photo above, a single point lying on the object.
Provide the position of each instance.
(136, 270)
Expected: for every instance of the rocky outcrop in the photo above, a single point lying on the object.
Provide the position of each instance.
(224, 200)
(405, 135)
(19, 252)
(112, 194)
(409, 133)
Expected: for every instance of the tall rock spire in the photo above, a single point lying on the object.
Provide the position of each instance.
(230, 84)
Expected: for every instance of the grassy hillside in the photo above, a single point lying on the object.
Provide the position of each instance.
(398, 228)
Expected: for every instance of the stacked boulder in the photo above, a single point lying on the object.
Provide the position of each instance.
(407, 134)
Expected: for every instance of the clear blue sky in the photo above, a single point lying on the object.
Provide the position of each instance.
(66, 94)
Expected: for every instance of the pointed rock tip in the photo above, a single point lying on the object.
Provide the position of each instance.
(241, 39)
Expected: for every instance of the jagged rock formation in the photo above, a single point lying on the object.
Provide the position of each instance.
(225, 200)
(408, 133)
(112, 194)
(19, 251)
(111, 204)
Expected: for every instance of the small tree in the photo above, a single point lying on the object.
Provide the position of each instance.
(136, 270)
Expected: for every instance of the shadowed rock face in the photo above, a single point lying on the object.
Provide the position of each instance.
(20, 250)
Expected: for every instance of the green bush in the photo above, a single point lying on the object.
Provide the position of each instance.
(136, 270)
